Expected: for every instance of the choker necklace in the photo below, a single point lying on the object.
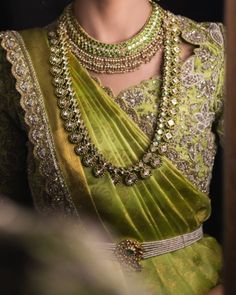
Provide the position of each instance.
(73, 123)
(126, 56)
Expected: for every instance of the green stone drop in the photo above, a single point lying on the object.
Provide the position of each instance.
(130, 252)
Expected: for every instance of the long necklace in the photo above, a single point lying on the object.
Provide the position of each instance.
(122, 57)
(74, 125)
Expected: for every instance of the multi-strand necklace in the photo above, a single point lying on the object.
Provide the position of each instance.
(123, 57)
(75, 127)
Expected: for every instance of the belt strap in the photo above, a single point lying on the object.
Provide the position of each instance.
(130, 252)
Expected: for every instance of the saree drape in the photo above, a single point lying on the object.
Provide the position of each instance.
(165, 205)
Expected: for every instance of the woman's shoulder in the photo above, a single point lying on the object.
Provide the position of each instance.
(18, 46)
(11, 38)
(14, 44)
(208, 61)
(211, 34)
(15, 48)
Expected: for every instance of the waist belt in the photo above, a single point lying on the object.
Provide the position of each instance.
(130, 252)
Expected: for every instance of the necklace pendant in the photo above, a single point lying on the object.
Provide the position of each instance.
(62, 103)
(80, 150)
(155, 162)
(99, 171)
(70, 126)
(56, 71)
(61, 92)
(75, 138)
(147, 157)
(145, 172)
(131, 179)
(116, 179)
(89, 160)
(65, 114)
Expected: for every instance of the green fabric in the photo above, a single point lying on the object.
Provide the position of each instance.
(163, 206)
(167, 204)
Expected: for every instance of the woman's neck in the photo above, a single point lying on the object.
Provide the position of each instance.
(112, 21)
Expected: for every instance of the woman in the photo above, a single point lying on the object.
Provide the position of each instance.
(119, 103)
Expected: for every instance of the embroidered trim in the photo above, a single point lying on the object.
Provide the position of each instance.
(56, 191)
(192, 31)
(216, 34)
(189, 77)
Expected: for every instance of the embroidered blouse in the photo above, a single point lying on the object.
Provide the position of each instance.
(35, 153)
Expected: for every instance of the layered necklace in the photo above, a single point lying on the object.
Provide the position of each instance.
(61, 44)
(123, 57)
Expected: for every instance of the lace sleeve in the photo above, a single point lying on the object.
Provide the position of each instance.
(13, 176)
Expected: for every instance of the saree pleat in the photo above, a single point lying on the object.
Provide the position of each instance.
(164, 205)
(122, 143)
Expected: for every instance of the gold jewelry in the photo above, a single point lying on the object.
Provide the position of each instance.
(130, 253)
(74, 125)
(122, 57)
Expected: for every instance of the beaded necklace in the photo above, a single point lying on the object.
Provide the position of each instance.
(73, 123)
(122, 57)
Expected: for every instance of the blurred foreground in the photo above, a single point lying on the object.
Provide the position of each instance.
(40, 256)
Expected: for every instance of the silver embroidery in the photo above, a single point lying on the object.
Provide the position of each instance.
(56, 194)
(216, 34)
(193, 147)
(189, 77)
(191, 31)
(204, 118)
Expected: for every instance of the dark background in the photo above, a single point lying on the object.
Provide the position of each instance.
(21, 14)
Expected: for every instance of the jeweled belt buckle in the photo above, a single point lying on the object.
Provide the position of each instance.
(129, 253)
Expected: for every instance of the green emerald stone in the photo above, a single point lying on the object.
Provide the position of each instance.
(129, 252)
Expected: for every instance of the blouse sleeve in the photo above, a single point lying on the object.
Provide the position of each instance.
(219, 106)
(220, 127)
(220, 98)
(13, 151)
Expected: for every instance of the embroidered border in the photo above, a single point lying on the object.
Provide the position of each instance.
(57, 193)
